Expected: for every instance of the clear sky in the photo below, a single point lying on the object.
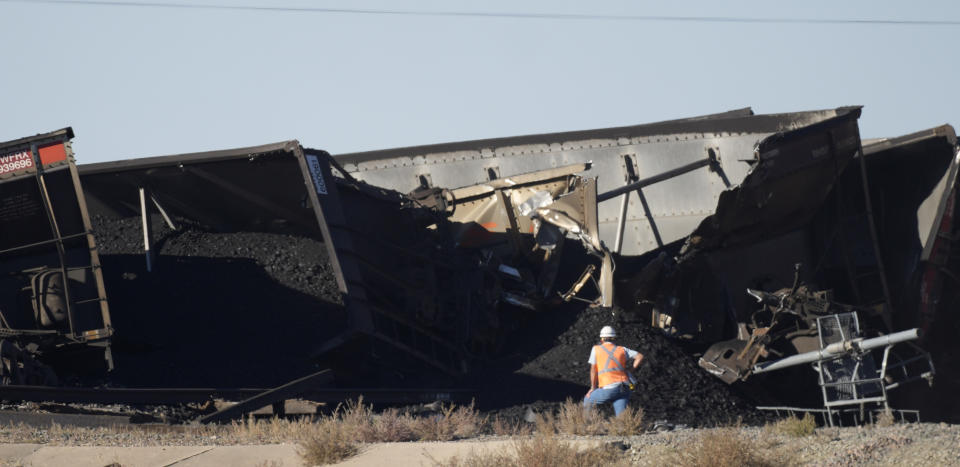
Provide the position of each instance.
(136, 81)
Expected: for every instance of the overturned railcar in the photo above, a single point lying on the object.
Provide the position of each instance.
(417, 273)
(440, 250)
(53, 300)
(656, 181)
(431, 244)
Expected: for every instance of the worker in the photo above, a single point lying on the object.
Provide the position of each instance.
(609, 379)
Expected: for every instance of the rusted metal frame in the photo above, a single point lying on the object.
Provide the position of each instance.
(888, 314)
(654, 179)
(280, 393)
(51, 218)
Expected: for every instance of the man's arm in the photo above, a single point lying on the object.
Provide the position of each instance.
(637, 360)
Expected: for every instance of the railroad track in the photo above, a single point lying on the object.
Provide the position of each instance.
(310, 388)
(161, 396)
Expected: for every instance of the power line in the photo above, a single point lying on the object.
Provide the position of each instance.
(556, 16)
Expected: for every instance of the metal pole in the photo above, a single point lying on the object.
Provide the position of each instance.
(147, 228)
(654, 179)
(163, 213)
(624, 202)
(838, 349)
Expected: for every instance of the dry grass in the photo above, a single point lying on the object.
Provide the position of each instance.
(450, 423)
(628, 423)
(330, 442)
(571, 419)
(388, 426)
(796, 427)
(542, 450)
(501, 427)
(885, 418)
(336, 437)
(723, 447)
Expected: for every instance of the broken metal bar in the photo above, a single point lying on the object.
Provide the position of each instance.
(621, 222)
(654, 179)
(575, 288)
(838, 349)
(163, 213)
(280, 393)
(629, 177)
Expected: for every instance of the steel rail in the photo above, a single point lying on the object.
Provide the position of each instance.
(161, 396)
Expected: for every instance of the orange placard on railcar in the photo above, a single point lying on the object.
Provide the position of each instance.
(53, 153)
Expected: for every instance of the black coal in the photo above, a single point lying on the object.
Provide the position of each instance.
(247, 309)
(242, 309)
(671, 386)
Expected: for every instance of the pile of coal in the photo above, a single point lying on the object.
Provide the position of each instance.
(218, 309)
(300, 263)
(671, 386)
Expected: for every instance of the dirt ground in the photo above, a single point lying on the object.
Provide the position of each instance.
(901, 444)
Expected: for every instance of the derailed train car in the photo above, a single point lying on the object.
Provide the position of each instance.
(811, 223)
(439, 250)
(53, 300)
(432, 264)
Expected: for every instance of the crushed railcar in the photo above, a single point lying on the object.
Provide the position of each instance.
(659, 180)
(53, 301)
(796, 189)
(440, 251)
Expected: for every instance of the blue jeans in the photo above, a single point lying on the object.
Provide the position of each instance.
(618, 396)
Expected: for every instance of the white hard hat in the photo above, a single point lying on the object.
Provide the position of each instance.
(607, 331)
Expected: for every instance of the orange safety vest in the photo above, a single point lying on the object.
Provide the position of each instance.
(611, 364)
